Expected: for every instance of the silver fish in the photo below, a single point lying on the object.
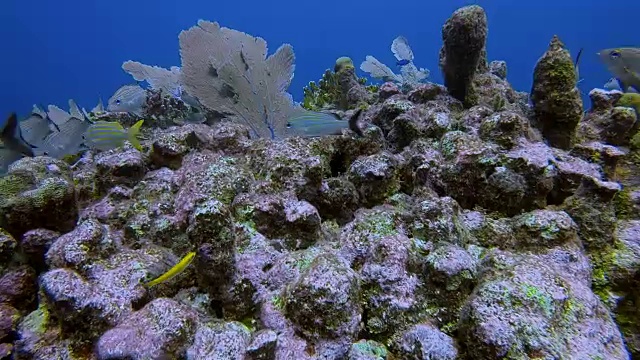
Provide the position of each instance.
(66, 140)
(624, 64)
(8, 157)
(129, 98)
(57, 115)
(36, 127)
(307, 123)
(11, 136)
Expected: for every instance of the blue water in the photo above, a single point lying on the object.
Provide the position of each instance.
(56, 50)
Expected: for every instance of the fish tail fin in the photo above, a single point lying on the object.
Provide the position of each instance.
(10, 126)
(133, 135)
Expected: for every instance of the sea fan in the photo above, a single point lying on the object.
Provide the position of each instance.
(409, 76)
(229, 71)
(158, 78)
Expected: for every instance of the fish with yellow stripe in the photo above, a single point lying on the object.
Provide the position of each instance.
(107, 135)
(174, 271)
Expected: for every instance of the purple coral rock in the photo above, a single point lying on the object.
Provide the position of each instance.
(18, 287)
(602, 154)
(426, 92)
(324, 302)
(375, 177)
(263, 345)
(170, 146)
(452, 266)
(498, 68)
(79, 248)
(9, 317)
(230, 137)
(38, 195)
(219, 341)
(603, 99)
(532, 293)
(390, 109)
(36, 243)
(7, 247)
(163, 328)
(387, 90)
(279, 216)
(6, 349)
(504, 128)
(119, 168)
(337, 198)
(101, 294)
(425, 341)
(384, 268)
(544, 228)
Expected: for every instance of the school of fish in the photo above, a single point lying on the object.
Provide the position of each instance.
(58, 133)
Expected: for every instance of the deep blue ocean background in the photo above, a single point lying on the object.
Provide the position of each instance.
(56, 50)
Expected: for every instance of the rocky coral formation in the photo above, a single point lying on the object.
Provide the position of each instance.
(341, 89)
(556, 99)
(443, 232)
(463, 53)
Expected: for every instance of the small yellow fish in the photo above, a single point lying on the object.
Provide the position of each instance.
(107, 135)
(175, 270)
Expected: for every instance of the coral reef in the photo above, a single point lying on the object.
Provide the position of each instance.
(464, 36)
(341, 89)
(445, 230)
(556, 99)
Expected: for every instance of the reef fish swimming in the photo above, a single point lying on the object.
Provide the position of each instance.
(107, 135)
(11, 136)
(624, 64)
(175, 270)
(313, 124)
(129, 98)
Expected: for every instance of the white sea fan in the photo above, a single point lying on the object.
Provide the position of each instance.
(409, 77)
(159, 78)
(228, 71)
(378, 70)
(401, 50)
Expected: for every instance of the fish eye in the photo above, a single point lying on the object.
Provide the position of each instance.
(118, 102)
(614, 54)
(288, 125)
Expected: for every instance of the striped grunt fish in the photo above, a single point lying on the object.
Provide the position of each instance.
(107, 135)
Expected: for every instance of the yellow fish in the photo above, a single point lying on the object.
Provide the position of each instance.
(107, 135)
(175, 270)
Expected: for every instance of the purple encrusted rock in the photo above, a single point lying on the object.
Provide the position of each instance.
(163, 328)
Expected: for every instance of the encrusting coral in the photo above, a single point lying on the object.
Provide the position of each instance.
(341, 89)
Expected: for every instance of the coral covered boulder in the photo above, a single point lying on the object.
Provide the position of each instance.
(539, 306)
(464, 35)
(556, 99)
(37, 193)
